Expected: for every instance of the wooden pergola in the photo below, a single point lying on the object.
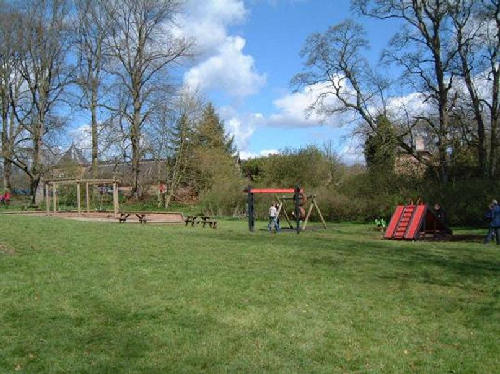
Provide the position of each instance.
(53, 183)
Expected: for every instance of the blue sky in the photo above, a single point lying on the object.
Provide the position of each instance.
(247, 51)
(250, 51)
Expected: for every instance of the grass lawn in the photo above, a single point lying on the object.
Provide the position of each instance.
(85, 297)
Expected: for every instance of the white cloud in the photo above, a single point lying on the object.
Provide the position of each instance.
(245, 155)
(303, 109)
(229, 70)
(205, 22)
(240, 126)
(222, 64)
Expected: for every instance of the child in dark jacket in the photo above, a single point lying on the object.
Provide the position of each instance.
(494, 227)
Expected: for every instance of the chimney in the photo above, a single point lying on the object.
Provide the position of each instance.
(419, 144)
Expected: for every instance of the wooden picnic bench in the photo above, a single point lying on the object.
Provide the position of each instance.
(205, 220)
(140, 215)
(191, 219)
(123, 217)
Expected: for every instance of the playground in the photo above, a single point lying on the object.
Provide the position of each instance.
(92, 298)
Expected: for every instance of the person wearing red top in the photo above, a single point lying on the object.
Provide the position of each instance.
(5, 198)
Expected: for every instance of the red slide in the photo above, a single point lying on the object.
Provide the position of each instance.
(416, 223)
(391, 228)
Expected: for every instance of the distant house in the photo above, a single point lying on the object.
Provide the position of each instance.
(73, 164)
(410, 165)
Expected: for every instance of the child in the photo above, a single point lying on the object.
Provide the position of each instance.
(494, 227)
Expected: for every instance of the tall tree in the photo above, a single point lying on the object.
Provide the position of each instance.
(214, 152)
(335, 64)
(424, 49)
(10, 85)
(344, 83)
(477, 28)
(91, 33)
(44, 68)
(143, 49)
(491, 12)
(171, 139)
(211, 134)
(380, 148)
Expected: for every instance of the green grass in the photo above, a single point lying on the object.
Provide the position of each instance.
(106, 298)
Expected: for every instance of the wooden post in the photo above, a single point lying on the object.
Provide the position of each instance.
(116, 206)
(250, 210)
(319, 212)
(54, 196)
(285, 214)
(307, 216)
(78, 203)
(47, 198)
(87, 196)
(296, 199)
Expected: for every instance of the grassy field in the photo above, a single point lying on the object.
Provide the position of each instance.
(78, 297)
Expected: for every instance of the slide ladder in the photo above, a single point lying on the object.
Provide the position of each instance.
(404, 222)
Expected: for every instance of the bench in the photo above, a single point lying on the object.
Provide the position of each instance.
(205, 220)
(192, 220)
(211, 222)
(123, 217)
(142, 217)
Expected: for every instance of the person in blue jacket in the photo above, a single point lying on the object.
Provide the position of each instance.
(494, 229)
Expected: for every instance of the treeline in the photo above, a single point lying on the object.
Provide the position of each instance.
(358, 193)
(112, 61)
(438, 80)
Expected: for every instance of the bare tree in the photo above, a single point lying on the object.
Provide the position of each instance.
(10, 86)
(91, 33)
(424, 49)
(335, 65)
(172, 138)
(491, 12)
(478, 41)
(346, 83)
(44, 69)
(143, 49)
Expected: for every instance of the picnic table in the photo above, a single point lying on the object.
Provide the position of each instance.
(140, 215)
(205, 220)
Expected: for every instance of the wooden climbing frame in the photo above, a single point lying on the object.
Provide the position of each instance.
(299, 200)
(53, 183)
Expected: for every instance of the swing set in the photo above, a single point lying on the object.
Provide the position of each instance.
(303, 206)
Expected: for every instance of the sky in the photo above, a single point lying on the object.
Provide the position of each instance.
(245, 54)
(247, 51)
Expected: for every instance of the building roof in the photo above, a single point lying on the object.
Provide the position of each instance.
(73, 155)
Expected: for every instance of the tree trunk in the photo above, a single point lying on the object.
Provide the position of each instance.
(443, 131)
(476, 106)
(34, 182)
(95, 149)
(494, 135)
(36, 169)
(5, 151)
(134, 140)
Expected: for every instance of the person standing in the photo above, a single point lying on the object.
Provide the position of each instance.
(440, 213)
(494, 229)
(273, 215)
(278, 227)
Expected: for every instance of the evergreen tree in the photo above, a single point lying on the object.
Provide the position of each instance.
(211, 132)
(380, 147)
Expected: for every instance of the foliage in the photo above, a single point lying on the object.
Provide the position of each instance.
(380, 148)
